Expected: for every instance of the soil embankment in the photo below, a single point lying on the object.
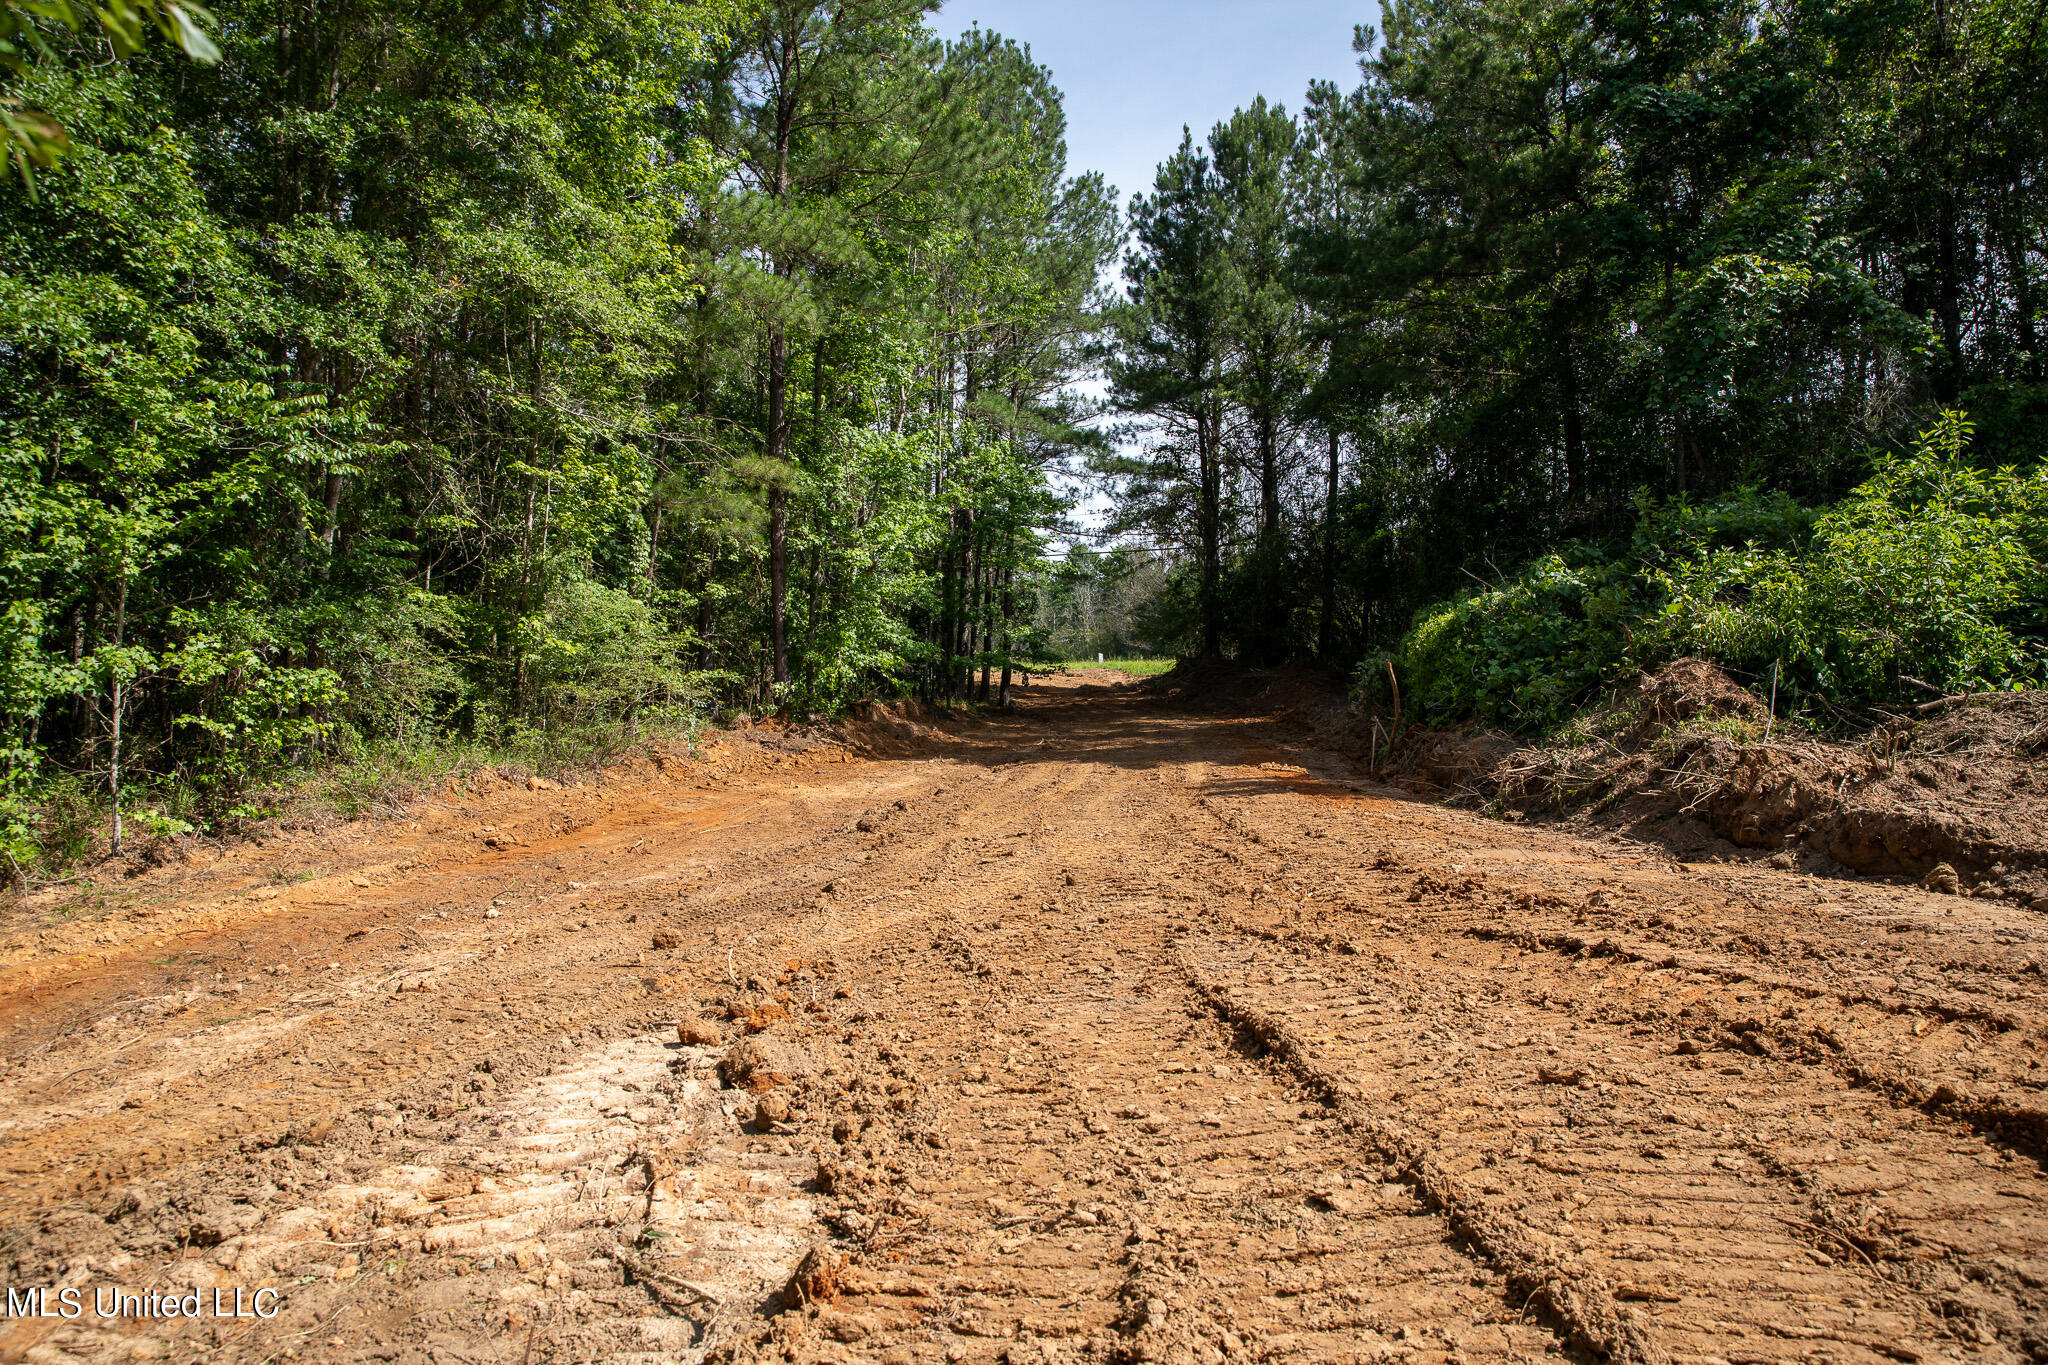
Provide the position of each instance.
(1953, 793)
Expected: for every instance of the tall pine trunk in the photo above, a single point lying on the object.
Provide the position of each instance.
(778, 502)
(988, 627)
(778, 404)
(1009, 613)
(117, 702)
(1326, 622)
(948, 586)
(1269, 478)
(1210, 515)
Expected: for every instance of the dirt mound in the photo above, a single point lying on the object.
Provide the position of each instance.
(1687, 757)
(1964, 787)
(1684, 694)
(1687, 690)
(1450, 761)
(890, 729)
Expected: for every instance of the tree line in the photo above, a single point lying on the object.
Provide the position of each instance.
(381, 377)
(1568, 298)
(516, 372)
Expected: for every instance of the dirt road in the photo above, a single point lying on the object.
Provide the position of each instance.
(1102, 1031)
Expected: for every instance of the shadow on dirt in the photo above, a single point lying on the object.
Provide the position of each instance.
(1953, 794)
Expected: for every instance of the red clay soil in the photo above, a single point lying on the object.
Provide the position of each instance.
(1688, 759)
(1105, 1030)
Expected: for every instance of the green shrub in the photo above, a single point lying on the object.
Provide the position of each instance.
(1923, 571)
(1931, 569)
(1521, 654)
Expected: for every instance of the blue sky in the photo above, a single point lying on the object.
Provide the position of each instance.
(1134, 71)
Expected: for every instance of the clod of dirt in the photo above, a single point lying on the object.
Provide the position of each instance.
(665, 939)
(840, 1177)
(1943, 879)
(759, 1064)
(816, 1278)
(699, 1033)
(756, 1014)
(215, 1220)
(843, 1327)
(127, 1200)
(771, 1109)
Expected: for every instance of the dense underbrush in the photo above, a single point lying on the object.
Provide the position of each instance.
(1929, 577)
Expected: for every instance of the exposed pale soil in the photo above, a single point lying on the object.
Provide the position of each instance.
(1104, 1030)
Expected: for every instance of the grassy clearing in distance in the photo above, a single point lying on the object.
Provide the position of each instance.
(1143, 668)
(1137, 668)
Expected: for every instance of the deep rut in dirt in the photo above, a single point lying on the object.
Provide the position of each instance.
(1097, 1031)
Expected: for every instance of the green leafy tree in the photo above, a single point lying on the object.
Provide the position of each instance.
(35, 29)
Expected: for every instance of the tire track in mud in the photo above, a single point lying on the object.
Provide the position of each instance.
(1581, 1302)
(1228, 1235)
(1926, 1051)
(1943, 1233)
(1109, 1035)
(525, 969)
(1799, 1029)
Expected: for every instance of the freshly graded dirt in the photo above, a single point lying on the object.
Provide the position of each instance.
(1105, 1030)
